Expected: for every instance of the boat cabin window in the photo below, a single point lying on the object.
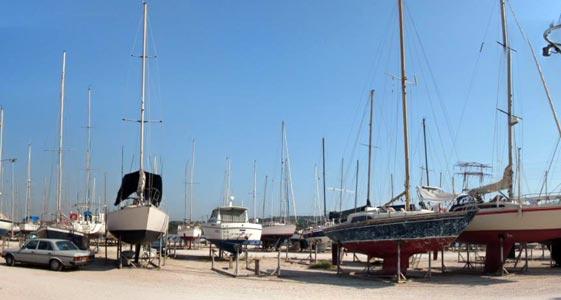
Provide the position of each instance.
(360, 219)
(45, 245)
(233, 215)
(213, 216)
(31, 245)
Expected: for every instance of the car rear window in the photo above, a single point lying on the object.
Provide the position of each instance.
(31, 244)
(66, 245)
(45, 245)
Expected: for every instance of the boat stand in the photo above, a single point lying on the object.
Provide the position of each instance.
(503, 271)
(255, 271)
(523, 268)
(139, 260)
(400, 277)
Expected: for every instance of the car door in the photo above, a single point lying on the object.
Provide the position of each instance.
(26, 253)
(43, 252)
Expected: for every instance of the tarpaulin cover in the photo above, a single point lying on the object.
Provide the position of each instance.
(152, 187)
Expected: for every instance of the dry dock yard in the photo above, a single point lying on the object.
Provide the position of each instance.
(189, 276)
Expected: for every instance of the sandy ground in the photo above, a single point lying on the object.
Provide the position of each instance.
(189, 276)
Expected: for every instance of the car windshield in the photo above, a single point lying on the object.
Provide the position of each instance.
(66, 245)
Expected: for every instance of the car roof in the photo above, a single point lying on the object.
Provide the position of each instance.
(50, 240)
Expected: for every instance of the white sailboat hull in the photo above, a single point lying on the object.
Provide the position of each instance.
(29, 227)
(527, 224)
(190, 233)
(137, 224)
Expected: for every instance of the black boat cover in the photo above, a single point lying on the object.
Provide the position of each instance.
(152, 190)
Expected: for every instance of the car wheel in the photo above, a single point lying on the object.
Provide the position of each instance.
(10, 261)
(55, 265)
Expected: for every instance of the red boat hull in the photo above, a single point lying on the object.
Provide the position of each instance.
(387, 250)
(511, 225)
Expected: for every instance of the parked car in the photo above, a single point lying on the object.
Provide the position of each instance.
(55, 253)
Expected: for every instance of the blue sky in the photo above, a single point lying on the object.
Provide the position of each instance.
(228, 72)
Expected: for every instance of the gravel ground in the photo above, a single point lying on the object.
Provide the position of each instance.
(189, 276)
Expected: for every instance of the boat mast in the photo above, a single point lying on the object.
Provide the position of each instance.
(227, 195)
(191, 182)
(254, 192)
(341, 185)
(28, 191)
(404, 104)
(356, 185)
(426, 157)
(368, 184)
(89, 152)
(317, 210)
(186, 191)
(323, 178)
(289, 188)
(141, 180)
(281, 181)
(60, 141)
(511, 122)
(265, 195)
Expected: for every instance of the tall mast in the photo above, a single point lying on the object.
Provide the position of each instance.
(89, 151)
(368, 202)
(227, 194)
(323, 171)
(28, 190)
(341, 185)
(289, 188)
(510, 121)
(60, 141)
(186, 191)
(404, 104)
(281, 181)
(191, 182)
(318, 197)
(141, 180)
(426, 157)
(265, 195)
(356, 185)
(254, 192)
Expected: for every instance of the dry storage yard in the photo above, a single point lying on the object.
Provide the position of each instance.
(189, 276)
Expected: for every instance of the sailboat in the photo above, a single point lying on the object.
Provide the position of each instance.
(228, 226)
(141, 221)
(30, 223)
(396, 235)
(189, 231)
(84, 220)
(504, 221)
(276, 232)
(5, 222)
(62, 227)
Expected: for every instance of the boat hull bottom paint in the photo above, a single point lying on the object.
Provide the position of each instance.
(511, 225)
(492, 241)
(387, 250)
(132, 236)
(233, 246)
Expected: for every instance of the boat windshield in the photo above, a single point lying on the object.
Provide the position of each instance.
(66, 245)
(233, 215)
